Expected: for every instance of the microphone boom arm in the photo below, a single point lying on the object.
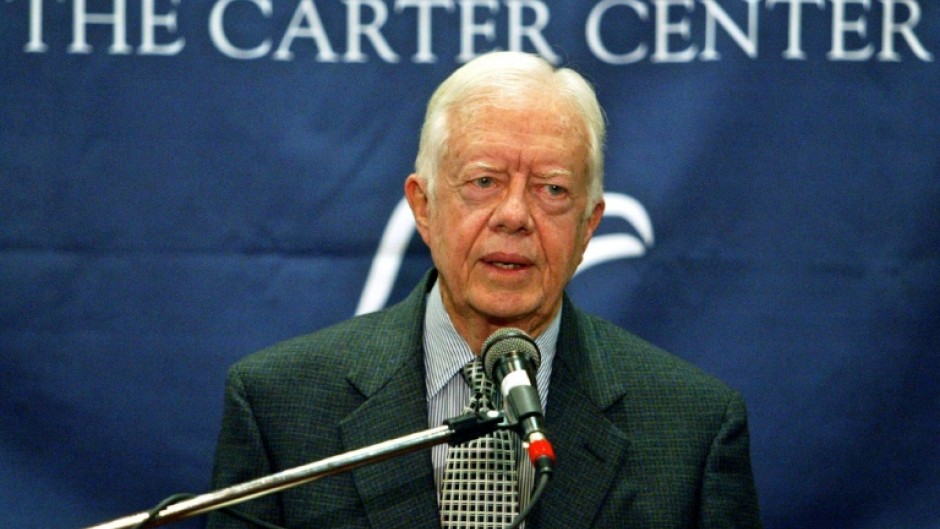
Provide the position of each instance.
(455, 431)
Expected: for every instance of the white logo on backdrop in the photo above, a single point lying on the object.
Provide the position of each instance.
(602, 248)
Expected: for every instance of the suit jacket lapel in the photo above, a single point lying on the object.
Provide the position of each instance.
(399, 492)
(589, 448)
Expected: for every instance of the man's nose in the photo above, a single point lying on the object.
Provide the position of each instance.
(512, 213)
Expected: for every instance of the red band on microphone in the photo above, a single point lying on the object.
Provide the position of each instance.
(541, 448)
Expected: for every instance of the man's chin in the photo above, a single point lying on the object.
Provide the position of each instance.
(507, 310)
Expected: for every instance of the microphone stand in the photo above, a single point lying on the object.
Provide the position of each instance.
(455, 431)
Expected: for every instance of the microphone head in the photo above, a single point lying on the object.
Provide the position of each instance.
(506, 341)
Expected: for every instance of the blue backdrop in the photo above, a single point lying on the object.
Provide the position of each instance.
(185, 182)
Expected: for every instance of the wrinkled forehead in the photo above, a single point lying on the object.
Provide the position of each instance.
(518, 98)
(534, 110)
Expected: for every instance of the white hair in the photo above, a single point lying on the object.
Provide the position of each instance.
(495, 75)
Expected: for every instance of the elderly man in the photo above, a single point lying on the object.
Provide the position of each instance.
(507, 193)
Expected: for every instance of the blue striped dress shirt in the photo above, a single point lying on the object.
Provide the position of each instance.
(445, 354)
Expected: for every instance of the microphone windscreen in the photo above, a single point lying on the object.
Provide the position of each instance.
(505, 341)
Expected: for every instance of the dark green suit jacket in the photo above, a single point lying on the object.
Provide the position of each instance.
(643, 439)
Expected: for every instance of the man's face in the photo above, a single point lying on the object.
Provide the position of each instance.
(506, 225)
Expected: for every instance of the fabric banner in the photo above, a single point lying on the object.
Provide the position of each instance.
(185, 182)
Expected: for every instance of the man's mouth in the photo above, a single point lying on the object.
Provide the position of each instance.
(506, 266)
(507, 262)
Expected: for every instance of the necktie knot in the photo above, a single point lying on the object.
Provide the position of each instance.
(483, 394)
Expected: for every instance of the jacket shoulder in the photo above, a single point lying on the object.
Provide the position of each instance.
(641, 368)
(377, 338)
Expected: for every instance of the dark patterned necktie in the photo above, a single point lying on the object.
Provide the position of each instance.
(480, 485)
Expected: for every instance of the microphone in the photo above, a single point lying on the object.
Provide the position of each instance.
(510, 359)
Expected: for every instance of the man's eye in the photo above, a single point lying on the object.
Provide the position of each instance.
(484, 181)
(555, 190)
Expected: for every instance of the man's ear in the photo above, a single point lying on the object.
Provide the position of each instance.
(417, 196)
(592, 223)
